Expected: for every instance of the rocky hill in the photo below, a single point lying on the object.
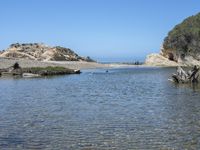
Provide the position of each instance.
(182, 44)
(42, 52)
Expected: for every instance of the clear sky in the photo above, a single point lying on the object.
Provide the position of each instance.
(115, 30)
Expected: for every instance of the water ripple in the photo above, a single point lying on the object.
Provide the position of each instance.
(135, 108)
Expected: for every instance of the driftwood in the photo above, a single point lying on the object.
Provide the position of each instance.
(182, 76)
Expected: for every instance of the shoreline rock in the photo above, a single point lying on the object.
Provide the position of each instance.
(156, 59)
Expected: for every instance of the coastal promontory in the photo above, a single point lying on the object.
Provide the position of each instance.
(42, 52)
(181, 46)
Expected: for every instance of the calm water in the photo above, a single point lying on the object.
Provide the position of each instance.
(135, 108)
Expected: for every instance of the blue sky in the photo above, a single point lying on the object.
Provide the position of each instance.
(107, 30)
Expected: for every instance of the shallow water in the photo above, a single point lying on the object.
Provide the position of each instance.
(134, 108)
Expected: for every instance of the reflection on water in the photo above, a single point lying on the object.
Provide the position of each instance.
(135, 108)
(194, 86)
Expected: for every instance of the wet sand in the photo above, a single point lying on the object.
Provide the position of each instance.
(5, 63)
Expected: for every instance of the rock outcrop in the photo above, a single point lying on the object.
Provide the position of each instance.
(42, 52)
(182, 44)
(159, 60)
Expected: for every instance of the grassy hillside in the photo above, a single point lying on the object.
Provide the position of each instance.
(184, 39)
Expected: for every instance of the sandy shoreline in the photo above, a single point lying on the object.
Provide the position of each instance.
(5, 63)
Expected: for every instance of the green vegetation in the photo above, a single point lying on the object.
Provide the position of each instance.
(37, 71)
(184, 39)
(49, 68)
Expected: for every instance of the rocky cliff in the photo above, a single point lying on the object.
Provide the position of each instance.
(159, 60)
(182, 44)
(42, 52)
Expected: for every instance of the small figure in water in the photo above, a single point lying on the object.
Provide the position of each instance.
(106, 71)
